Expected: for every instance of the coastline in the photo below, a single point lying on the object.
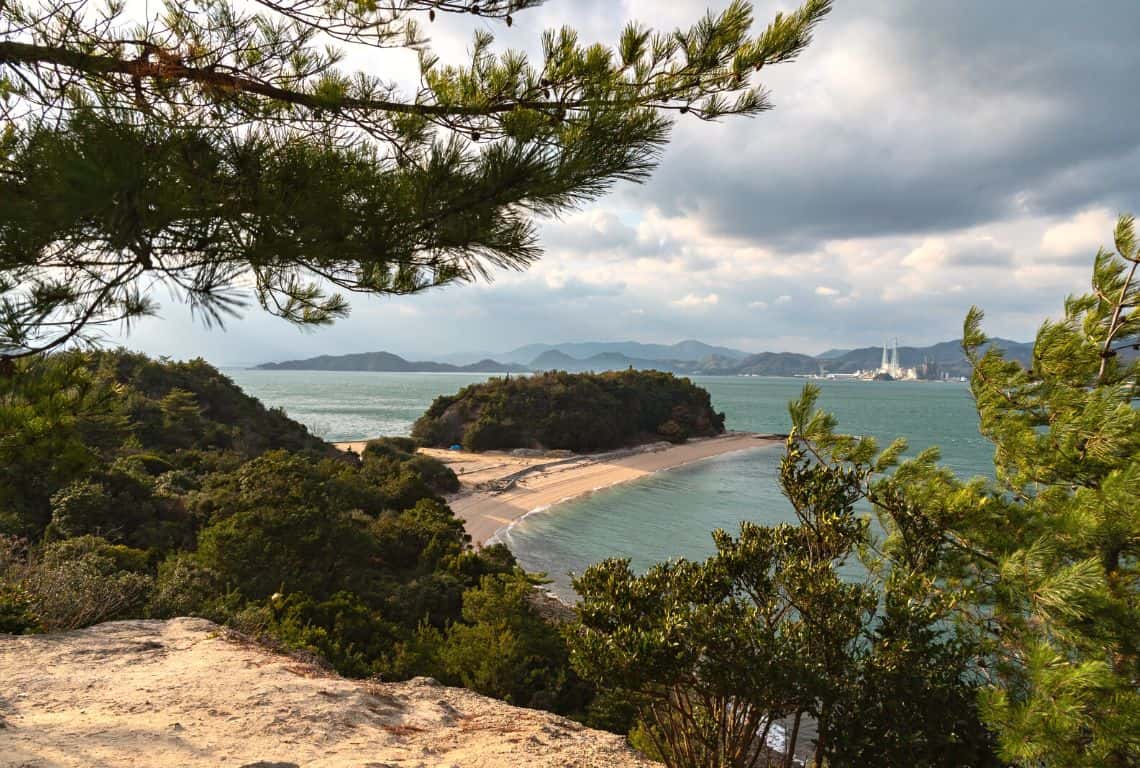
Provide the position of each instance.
(497, 489)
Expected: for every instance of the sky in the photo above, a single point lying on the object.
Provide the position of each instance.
(923, 156)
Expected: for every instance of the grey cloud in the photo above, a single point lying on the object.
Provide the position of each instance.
(981, 255)
(1065, 77)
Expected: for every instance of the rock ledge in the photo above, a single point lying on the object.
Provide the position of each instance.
(178, 692)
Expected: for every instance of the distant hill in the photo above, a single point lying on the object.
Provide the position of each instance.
(688, 351)
(778, 364)
(831, 354)
(387, 362)
(557, 360)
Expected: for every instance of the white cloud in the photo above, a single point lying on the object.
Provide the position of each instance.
(1080, 235)
(692, 300)
(823, 290)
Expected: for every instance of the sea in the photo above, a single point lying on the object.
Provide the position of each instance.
(666, 515)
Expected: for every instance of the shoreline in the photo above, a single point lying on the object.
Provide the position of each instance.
(497, 489)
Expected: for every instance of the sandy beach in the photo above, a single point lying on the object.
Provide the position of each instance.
(498, 488)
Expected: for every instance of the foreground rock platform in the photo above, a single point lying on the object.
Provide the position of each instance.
(182, 693)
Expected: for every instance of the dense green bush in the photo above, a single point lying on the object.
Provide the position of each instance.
(343, 629)
(577, 411)
(502, 648)
(17, 613)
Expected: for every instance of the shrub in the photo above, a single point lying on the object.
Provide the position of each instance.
(504, 649)
(268, 549)
(343, 629)
(119, 506)
(184, 587)
(390, 445)
(77, 583)
(17, 612)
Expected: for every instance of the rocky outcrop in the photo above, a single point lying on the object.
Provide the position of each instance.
(184, 693)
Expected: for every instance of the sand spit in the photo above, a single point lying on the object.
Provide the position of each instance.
(179, 693)
(499, 488)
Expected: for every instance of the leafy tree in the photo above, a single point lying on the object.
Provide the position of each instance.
(713, 654)
(222, 143)
(53, 419)
(503, 648)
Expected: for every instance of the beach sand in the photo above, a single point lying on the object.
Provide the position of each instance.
(498, 488)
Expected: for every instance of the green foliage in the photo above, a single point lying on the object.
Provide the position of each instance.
(1035, 570)
(185, 587)
(1060, 573)
(80, 433)
(713, 653)
(54, 417)
(226, 141)
(577, 411)
(342, 629)
(503, 648)
(908, 701)
(17, 611)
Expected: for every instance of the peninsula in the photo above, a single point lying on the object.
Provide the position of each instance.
(498, 488)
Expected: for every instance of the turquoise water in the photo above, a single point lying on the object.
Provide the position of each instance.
(662, 516)
(340, 405)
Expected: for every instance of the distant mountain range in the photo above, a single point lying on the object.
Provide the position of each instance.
(688, 350)
(386, 361)
(686, 358)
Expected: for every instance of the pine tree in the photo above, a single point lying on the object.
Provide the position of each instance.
(224, 146)
(1038, 565)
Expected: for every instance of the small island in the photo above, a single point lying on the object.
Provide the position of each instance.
(580, 412)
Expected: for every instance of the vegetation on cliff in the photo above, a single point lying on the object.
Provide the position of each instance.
(576, 411)
(136, 488)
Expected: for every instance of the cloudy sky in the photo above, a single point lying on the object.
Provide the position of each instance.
(923, 156)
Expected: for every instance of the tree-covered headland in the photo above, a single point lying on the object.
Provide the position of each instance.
(575, 411)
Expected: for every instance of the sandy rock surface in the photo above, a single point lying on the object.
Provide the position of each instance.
(179, 693)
